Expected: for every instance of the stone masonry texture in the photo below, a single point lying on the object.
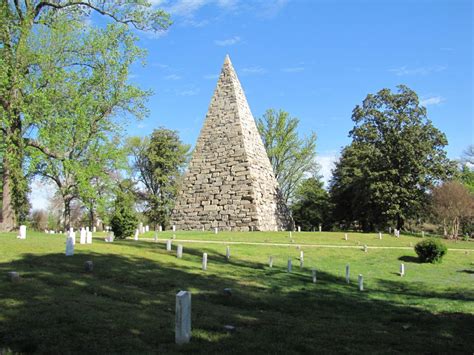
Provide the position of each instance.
(230, 183)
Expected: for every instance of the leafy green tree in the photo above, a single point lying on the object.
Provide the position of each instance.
(311, 205)
(395, 158)
(292, 158)
(158, 163)
(26, 29)
(79, 129)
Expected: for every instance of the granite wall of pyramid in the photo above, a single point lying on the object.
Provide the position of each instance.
(230, 182)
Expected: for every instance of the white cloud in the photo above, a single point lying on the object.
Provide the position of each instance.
(253, 70)
(41, 193)
(431, 100)
(271, 8)
(211, 76)
(188, 92)
(141, 125)
(293, 69)
(404, 70)
(228, 41)
(172, 77)
(327, 163)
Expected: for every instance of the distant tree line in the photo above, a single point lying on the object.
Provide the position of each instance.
(394, 173)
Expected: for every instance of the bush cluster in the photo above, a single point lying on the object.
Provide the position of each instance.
(123, 223)
(430, 250)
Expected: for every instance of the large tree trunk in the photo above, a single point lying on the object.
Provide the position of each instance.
(67, 213)
(8, 213)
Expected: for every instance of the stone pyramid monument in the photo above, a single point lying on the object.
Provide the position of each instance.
(230, 182)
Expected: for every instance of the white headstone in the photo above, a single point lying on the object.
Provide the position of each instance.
(380, 235)
(289, 265)
(227, 253)
(290, 235)
(160, 228)
(270, 261)
(216, 230)
(299, 229)
(140, 228)
(156, 236)
(70, 244)
(348, 274)
(422, 234)
(168, 245)
(135, 237)
(320, 228)
(82, 236)
(365, 248)
(361, 283)
(202, 229)
(346, 237)
(89, 237)
(314, 275)
(94, 229)
(87, 229)
(72, 235)
(147, 228)
(301, 259)
(402, 269)
(174, 228)
(389, 230)
(204, 261)
(110, 237)
(22, 232)
(179, 251)
(276, 228)
(183, 317)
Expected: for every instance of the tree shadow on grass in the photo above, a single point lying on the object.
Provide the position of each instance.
(127, 306)
(410, 259)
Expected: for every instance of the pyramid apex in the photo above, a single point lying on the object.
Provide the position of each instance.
(227, 60)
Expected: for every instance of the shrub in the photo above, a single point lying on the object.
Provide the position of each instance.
(430, 250)
(123, 223)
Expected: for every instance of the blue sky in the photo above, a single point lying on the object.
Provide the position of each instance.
(316, 59)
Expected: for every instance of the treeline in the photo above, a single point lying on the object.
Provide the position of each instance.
(394, 174)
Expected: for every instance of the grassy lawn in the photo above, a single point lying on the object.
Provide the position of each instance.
(127, 304)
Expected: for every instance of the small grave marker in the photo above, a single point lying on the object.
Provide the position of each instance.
(160, 228)
(174, 228)
(82, 236)
(313, 272)
(289, 265)
(216, 230)
(14, 276)
(89, 237)
(179, 251)
(89, 266)
(380, 235)
(402, 269)
(70, 244)
(183, 317)
(135, 237)
(348, 274)
(365, 248)
(204, 261)
(299, 229)
(270, 261)
(346, 237)
(320, 228)
(227, 253)
(22, 232)
(301, 259)
(361, 282)
(168, 245)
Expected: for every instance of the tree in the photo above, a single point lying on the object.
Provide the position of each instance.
(124, 220)
(158, 163)
(395, 158)
(311, 204)
(24, 104)
(452, 202)
(292, 158)
(78, 125)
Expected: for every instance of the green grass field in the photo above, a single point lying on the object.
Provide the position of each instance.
(127, 305)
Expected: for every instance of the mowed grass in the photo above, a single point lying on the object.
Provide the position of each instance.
(127, 305)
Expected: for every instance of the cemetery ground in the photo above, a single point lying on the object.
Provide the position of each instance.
(127, 304)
